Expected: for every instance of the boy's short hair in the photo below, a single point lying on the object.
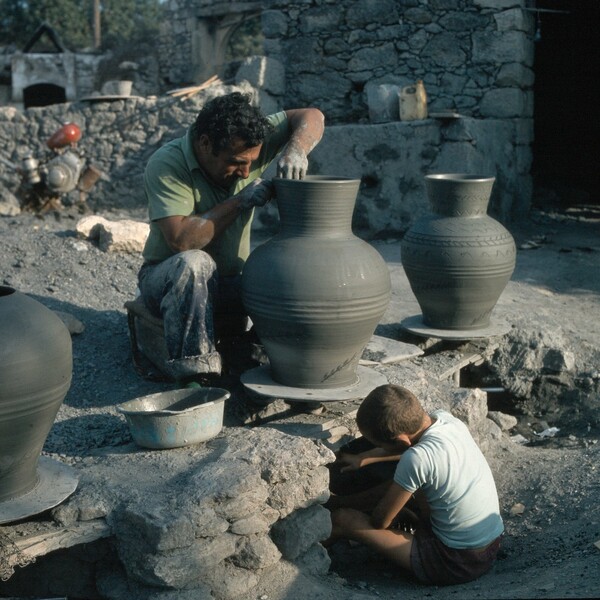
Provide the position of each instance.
(388, 411)
(229, 117)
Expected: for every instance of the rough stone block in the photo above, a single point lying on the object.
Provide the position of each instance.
(274, 23)
(295, 534)
(114, 236)
(470, 406)
(207, 523)
(310, 488)
(250, 525)
(247, 503)
(267, 74)
(505, 47)
(257, 552)
(9, 205)
(504, 103)
(558, 360)
(315, 561)
(504, 421)
(445, 50)
(515, 75)
(181, 567)
(228, 581)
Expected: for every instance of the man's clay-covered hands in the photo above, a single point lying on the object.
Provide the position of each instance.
(293, 163)
(256, 193)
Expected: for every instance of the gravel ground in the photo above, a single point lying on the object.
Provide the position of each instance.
(549, 549)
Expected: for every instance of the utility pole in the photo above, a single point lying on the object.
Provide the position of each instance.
(97, 36)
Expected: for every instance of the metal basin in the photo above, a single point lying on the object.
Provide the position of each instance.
(175, 418)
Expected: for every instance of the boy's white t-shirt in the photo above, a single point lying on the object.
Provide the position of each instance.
(450, 469)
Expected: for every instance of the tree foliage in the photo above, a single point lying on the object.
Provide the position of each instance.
(247, 40)
(121, 21)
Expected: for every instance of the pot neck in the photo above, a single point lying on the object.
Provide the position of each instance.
(459, 197)
(316, 206)
(332, 218)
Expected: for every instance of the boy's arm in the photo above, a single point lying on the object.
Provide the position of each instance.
(389, 506)
(369, 457)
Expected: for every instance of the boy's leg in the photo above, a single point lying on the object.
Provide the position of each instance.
(352, 524)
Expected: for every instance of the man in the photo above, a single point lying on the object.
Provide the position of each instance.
(440, 473)
(202, 190)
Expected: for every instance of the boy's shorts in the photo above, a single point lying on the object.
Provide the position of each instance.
(435, 563)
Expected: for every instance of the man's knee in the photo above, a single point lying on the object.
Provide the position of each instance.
(196, 264)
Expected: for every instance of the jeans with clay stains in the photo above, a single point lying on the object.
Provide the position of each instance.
(185, 291)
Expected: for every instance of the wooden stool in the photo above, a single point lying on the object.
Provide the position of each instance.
(147, 337)
(148, 346)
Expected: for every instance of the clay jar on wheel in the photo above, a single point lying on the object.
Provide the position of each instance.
(35, 375)
(458, 260)
(315, 292)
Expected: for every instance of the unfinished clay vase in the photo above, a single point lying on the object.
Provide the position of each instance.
(35, 375)
(458, 260)
(315, 292)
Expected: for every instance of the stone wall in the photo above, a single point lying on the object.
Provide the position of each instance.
(213, 521)
(390, 158)
(475, 56)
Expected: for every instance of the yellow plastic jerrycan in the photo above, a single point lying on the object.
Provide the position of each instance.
(413, 102)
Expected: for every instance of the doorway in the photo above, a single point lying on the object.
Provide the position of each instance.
(566, 147)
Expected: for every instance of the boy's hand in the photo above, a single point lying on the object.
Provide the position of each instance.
(352, 462)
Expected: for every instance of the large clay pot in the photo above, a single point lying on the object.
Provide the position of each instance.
(458, 260)
(35, 375)
(315, 292)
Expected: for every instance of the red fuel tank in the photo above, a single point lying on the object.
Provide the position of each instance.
(69, 133)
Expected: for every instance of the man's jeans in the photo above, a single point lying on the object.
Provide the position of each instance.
(185, 291)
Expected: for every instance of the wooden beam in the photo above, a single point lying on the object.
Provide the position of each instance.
(39, 544)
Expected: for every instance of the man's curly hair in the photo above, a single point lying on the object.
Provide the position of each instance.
(231, 117)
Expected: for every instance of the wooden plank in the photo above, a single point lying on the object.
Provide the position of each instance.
(42, 543)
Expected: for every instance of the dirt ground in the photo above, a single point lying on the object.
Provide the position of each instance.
(549, 550)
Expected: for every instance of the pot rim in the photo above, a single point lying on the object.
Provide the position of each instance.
(320, 179)
(459, 177)
(135, 407)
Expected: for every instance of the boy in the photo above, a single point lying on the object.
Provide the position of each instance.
(457, 536)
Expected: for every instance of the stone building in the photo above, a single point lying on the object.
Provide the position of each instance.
(483, 59)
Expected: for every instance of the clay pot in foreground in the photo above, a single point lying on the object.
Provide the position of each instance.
(458, 260)
(315, 292)
(35, 375)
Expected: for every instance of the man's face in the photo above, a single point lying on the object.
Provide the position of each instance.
(230, 164)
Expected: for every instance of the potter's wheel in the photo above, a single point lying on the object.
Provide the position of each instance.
(260, 382)
(56, 482)
(416, 325)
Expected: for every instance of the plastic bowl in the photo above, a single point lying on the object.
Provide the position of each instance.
(175, 418)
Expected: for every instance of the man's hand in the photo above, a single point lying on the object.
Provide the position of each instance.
(257, 193)
(293, 164)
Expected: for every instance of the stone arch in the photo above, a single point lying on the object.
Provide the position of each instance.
(43, 94)
(214, 27)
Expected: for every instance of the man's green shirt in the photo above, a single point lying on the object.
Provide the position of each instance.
(175, 185)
